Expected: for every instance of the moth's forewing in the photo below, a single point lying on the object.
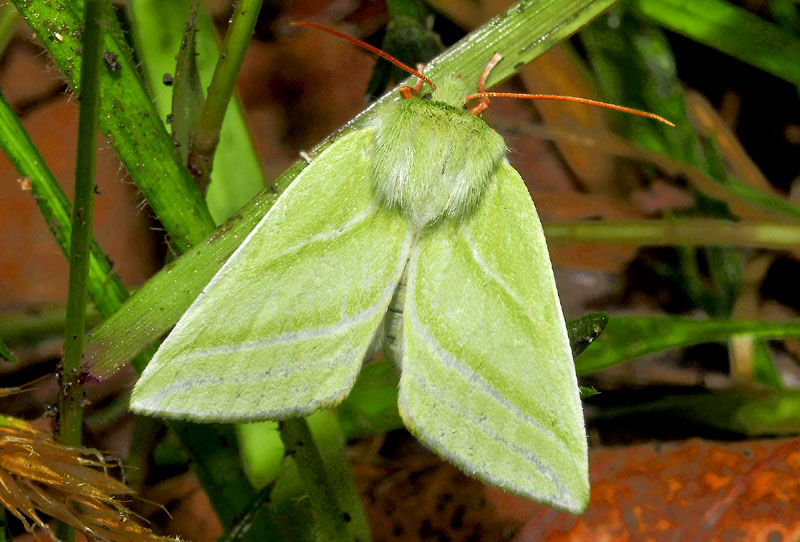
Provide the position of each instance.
(283, 327)
(488, 379)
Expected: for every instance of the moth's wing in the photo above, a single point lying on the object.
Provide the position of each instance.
(281, 330)
(488, 380)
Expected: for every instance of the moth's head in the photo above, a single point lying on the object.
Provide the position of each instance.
(451, 90)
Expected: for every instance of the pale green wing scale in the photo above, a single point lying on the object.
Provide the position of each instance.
(326, 251)
(488, 379)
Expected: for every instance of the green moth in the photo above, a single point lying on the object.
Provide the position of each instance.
(416, 235)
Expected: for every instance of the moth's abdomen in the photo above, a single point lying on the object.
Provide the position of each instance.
(433, 160)
(393, 324)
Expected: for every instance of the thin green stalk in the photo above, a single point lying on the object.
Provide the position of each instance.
(70, 411)
(299, 443)
(332, 445)
(687, 232)
(71, 393)
(206, 132)
(28, 327)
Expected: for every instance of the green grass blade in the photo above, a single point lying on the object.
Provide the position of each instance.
(247, 524)
(331, 441)
(292, 507)
(409, 38)
(217, 465)
(127, 117)
(786, 14)
(627, 338)
(70, 393)
(263, 451)
(30, 327)
(585, 330)
(764, 370)
(761, 198)
(732, 30)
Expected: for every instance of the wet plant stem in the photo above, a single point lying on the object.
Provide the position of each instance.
(205, 136)
(685, 232)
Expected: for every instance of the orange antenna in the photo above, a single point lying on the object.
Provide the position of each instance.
(368, 47)
(484, 97)
(573, 99)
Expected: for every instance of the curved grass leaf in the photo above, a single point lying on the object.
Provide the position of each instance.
(630, 337)
(732, 30)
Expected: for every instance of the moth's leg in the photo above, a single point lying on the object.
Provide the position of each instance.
(305, 156)
(418, 86)
(483, 105)
(407, 91)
